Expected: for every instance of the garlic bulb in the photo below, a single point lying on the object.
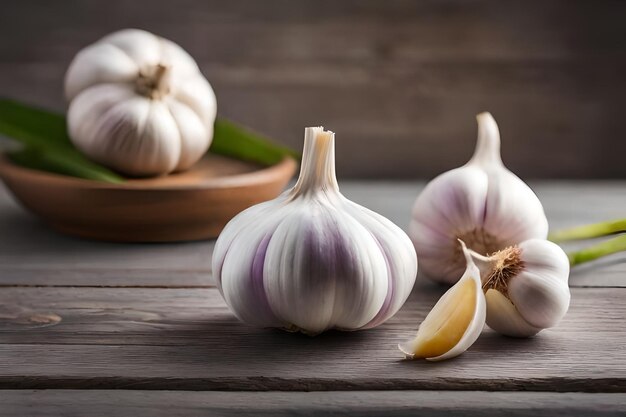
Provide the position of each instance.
(454, 323)
(526, 287)
(481, 203)
(139, 104)
(312, 260)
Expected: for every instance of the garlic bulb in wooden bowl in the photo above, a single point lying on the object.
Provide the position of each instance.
(139, 104)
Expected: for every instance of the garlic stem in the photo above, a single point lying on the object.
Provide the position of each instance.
(317, 171)
(154, 82)
(611, 246)
(161, 79)
(589, 231)
(487, 151)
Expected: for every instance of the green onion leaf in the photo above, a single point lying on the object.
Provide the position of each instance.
(230, 139)
(47, 145)
(60, 162)
(33, 126)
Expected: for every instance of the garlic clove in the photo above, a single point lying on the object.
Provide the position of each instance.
(114, 66)
(193, 134)
(503, 317)
(454, 323)
(399, 258)
(197, 94)
(140, 45)
(135, 117)
(540, 292)
(172, 52)
(526, 287)
(242, 260)
(481, 203)
(342, 274)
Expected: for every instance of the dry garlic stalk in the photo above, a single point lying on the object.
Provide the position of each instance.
(312, 260)
(481, 203)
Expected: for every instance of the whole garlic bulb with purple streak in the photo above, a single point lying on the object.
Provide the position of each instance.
(482, 203)
(312, 260)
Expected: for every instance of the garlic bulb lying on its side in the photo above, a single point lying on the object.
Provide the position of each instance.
(481, 203)
(526, 287)
(312, 260)
(139, 104)
(454, 323)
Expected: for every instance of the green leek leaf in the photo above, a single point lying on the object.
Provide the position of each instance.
(47, 146)
(230, 139)
(60, 162)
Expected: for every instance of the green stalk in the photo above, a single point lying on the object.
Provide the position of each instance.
(63, 163)
(230, 139)
(614, 245)
(589, 231)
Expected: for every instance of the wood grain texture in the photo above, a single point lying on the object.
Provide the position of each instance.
(31, 254)
(186, 339)
(138, 403)
(399, 81)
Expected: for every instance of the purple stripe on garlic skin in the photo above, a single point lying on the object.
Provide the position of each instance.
(230, 232)
(329, 264)
(481, 203)
(234, 259)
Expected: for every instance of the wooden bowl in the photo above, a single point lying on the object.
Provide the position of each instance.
(192, 205)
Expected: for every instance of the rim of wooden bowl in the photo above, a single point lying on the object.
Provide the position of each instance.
(286, 167)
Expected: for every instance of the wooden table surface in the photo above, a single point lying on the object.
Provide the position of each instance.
(108, 329)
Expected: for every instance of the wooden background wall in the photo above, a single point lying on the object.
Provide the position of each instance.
(399, 80)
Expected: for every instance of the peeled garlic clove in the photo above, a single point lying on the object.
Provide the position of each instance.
(526, 287)
(139, 104)
(481, 203)
(454, 323)
(311, 260)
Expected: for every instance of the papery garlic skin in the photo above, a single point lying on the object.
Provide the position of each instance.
(139, 104)
(311, 260)
(461, 310)
(503, 317)
(481, 203)
(535, 296)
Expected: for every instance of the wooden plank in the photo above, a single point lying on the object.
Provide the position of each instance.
(137, 403)
(80, 338)
(31, 254)
(399, 80)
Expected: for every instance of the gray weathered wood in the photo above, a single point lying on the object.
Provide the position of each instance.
(32, 254)
(50, 403)
(186, 339)
(400, 80)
